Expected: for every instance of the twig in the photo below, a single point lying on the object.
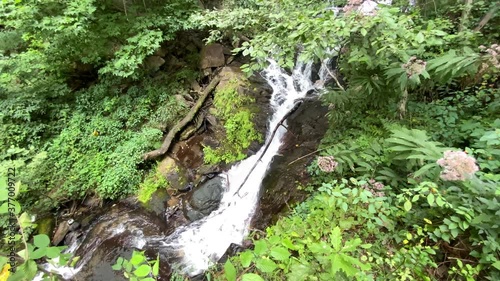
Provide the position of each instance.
(125, 8)
(452, 258)
(487, 17)
(308, 154)
(333, 76)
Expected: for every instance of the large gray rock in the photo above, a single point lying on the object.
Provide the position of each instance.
(212, 56)
(205, 199)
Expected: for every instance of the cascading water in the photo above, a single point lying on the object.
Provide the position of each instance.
(198, 245)
(193, 248)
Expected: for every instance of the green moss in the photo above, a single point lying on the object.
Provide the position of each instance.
(46, 226)
(153, 182)
(233, 109)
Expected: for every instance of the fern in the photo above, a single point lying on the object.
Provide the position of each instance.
(443, 69)
(415, 147)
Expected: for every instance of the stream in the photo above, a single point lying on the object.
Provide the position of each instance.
(193, 248)
(200, 244)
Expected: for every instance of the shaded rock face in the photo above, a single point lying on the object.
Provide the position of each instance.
(204, 199)
(153, 63)
(158, 202)
(306, 127)
(212, 56)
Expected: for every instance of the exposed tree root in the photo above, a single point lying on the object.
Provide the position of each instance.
(182, 124)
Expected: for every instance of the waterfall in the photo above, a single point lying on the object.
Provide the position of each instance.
(197, 246)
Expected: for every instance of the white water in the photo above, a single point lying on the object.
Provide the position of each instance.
(203, 242)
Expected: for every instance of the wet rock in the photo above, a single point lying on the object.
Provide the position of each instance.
(176, 174)
(72, 237)
(62, 230)
(88, 219)
(306, 127)
(212, 56)
(116, 232)
(73, 225)
(189, 153)
(157, 202)
(205, 199)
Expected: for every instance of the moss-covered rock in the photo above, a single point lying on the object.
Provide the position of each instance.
(46, 226)
(176, 175)
(234, 109)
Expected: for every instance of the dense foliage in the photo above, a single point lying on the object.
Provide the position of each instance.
(410, 168)
(407, 184)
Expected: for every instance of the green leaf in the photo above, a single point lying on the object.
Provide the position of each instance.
(142, 271)
(137, 258)
(117, 266)
(260, 247)
(25, 272)
(53, 252)
(229, 271)
(289, 244)
(407, 205)
(246, 258)
(280, 253)
(336, 238)
(156, 266)
(430, 199)
(266, 265)
(496, 265)
(38, 253)
(251, 277)
(41, 241)
(439, 201)
(420, 37)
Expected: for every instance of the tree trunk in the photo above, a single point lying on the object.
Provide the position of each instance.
(181, 124)
(487, 17)
(465, 15)
(402, 104)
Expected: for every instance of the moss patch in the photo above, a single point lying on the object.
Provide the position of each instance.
(152, 182)
(233, 109)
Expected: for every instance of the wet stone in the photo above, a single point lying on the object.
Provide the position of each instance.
(205, 199)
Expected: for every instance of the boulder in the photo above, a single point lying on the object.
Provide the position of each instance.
(62, 230)
(157, 202)
(205, 199)
(176, 175)
(212, 56)
(153, 63)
